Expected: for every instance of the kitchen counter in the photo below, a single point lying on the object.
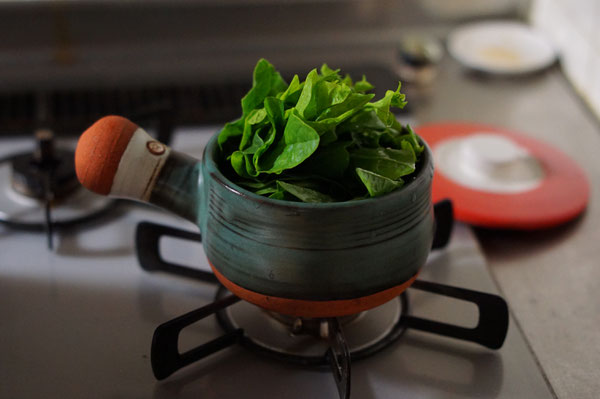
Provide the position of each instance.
(550, 278)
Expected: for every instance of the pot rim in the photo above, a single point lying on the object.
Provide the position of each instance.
(426, 160)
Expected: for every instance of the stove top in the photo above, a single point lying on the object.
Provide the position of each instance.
(78, 322)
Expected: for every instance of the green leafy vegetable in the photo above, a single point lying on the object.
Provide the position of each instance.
(387, 162)
(303, 193)
(266, 81)
(377, 184)
(329, 161)
(299, 141)
(318, 140)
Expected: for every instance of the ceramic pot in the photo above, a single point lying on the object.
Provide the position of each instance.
(301, 259)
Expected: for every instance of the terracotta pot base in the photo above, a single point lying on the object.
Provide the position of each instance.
(307, 308)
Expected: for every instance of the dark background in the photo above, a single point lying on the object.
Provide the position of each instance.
(63, 64)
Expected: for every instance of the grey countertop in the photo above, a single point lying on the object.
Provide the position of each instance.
(550, 278)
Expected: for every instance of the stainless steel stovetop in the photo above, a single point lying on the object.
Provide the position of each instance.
(78, 323)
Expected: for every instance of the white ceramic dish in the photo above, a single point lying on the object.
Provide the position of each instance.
(501, 47)
(488, 162)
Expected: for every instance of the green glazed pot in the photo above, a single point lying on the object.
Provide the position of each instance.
(317, 260)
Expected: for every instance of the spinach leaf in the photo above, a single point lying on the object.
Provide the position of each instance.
(271, 189)
(362, 85)
(329, 161)
(257, 142)
(231, 129)
(266, 144)
(238, 162)
(365, 119)
(376, 184)
(318, 140)
(304, 194)
(387, 162)
(347, 107)
(278, 195)
(274, 109)
(253, 184)
(329, 73)
(382, 107)
(299, 141)
(307, 104)
(411, 137)
(266, 81)
(255, 119)
(291, 95)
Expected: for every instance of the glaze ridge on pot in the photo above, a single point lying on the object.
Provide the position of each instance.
(254, 232)
(288, 250)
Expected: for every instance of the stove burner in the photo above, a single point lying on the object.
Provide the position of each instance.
(309, 342)
(365, 334)
(309, 326)
(39, 190)
(45, 172)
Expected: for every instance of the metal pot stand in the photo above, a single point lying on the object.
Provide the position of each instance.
(166, 359)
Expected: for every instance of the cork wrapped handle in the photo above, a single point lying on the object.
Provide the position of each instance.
(116, 157)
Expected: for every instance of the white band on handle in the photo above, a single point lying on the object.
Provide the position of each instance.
(139, 167)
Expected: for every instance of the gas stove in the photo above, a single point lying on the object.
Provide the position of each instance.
(39, 190)
(79, 321)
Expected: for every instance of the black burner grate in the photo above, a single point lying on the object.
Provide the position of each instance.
(166, 359)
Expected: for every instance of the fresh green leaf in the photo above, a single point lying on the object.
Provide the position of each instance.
(362, 85)
(266, 81)
(339, 93)
(387, 162)
(255, 119)
(382, 107)
(307, 103)
(238, 162)
(253, 185)
(257, 142)
(315, 96)
(274, 109)
(411, 137)
(330, 161)
(304, 194)
(278, 195)
(365, 119)
(270, 138)
(271, 189)
(328, 136)
(231, 129)
(376, 184)
(250, 169)
(347, 80)
(327, 72)
(368, 138)
(291, 95)
(347, 107)
(299, 141)
(323, 138)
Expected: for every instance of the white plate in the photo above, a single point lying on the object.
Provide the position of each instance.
(501, 47)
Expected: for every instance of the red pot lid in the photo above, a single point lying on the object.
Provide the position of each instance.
(561, 194)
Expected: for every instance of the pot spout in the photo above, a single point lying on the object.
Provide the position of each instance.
(117, 158)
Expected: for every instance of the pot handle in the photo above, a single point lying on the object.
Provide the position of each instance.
(117, 158)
